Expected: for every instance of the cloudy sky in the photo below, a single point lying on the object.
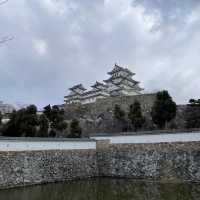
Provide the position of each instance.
(59, 43)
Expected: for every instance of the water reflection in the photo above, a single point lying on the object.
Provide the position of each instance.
(105, 189)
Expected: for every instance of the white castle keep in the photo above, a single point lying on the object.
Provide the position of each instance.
(120, 83)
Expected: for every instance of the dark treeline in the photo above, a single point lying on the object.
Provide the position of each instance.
(193, 114)
(1, 117)
(163, 111)
(27, 122)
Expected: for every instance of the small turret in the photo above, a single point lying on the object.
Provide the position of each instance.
(79, 89)
(76, 94)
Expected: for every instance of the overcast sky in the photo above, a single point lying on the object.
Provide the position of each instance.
(59, 43)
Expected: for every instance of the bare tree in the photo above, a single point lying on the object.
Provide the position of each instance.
(5, 38)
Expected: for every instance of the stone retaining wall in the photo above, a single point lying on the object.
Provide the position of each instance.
(36, 167)
(164, 161)
(98, 117)
(161, 161)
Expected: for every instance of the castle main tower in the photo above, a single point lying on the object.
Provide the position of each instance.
(121, 82)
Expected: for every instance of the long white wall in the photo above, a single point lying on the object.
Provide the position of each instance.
(17, 145)
(142, 139)
(36, 145)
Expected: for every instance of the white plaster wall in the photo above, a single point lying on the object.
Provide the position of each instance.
(20, 145)
(79, 91)
(5, 121)
(112, 87)
(91, 100)
(17, 145)
(142, 139)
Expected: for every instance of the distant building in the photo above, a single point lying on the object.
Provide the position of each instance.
(120, 83)
(6, 108)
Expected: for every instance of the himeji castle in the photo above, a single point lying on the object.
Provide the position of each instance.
(120, 83)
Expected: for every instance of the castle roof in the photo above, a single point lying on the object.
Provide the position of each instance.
(117, 68)
(79, 86)
(91, 92)
(123, 78)
(94, 91)
(72, 95)
(98, 84)
(96, 94)
(135, 87)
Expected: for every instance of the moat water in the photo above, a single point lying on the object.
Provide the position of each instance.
(105, 189)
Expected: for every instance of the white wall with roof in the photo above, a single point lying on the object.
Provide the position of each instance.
(157, 138)
(23, 145)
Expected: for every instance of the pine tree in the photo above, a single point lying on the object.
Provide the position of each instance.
(56, 119)
(121, 121)
(75, 129)
(119, 114)
(192, 115)
(43, 126)
(164, 109)
(135, 115)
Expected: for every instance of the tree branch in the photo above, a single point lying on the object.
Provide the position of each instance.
(2, 2)
(5, 39)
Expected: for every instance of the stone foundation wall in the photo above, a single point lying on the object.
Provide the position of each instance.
(164, 161)
(36, 167)
(161, 161)
(98, 117)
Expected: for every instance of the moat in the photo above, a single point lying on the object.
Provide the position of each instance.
(105, 189)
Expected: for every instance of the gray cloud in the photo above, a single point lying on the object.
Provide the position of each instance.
(59, 43)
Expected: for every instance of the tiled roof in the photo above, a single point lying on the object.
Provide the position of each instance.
(123, 78)
(117, 68)
(98, 84)
(79, 86)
